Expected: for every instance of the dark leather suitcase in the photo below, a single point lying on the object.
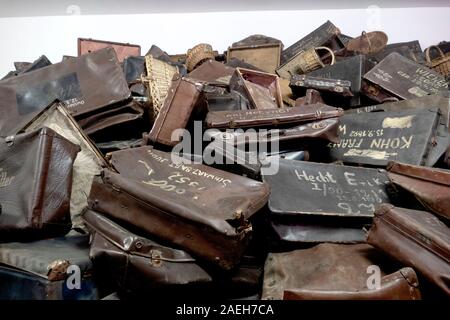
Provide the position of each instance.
(426, 102)
(264, 56)
(335, 271)
(202, 210)
(430, 186)
(315, 202)
(270, 117)
(137, 265)
(184, 102)
(400, 285)
(411, 50)
(85, 84)
(123, 50)
(96, 122)
(51, 269)
(334, 87)
(88, 163)
(304, 188)
(405, 79)
(261, 89)
(24, 67)
(325, 35)
(415, 238)
(35, 184)
(379, 137)
(350, 69)
(134, 70)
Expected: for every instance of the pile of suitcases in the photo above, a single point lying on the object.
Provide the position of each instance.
(317, 171)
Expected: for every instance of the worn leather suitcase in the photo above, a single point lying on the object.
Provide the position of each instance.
(400, 285)
(51, 269)
(88, 163)
(174, 202)
(96, 122)
(270, 117)
(325, 35)
(337, 272)
(429, 185)
(134, 70)
(350, 69)
(85, 84)
(426, 102)
(404, 78)
(261, 89)
(35, 184)
(183, 103)
(24, 67)
(304, 188)
(379, 137)
(123, 50)
(138, 265)
(411, 50)
(415, 238)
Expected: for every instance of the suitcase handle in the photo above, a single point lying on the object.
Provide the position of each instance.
(333, 58)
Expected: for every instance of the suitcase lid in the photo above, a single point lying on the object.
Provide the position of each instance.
(130, 242)
(379, 137)
(422, 227)
(87, 83)
(48, 259)
(307, 188)
(405, 78)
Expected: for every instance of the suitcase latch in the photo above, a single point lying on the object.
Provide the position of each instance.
(9, 141)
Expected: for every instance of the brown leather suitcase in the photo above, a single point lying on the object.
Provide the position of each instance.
(184, 101)
(429, 185)
(138, 265)
(261, 89)
(88, 83)
(335, 271)
(202, 210)
(400, 285)
(271, 117)
(88, 163)
(417, 239)
(123, 50)
(35, 184)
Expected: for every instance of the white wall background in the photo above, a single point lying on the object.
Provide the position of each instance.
(26, 38)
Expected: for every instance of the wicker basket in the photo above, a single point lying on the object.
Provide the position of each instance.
(440, 64)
